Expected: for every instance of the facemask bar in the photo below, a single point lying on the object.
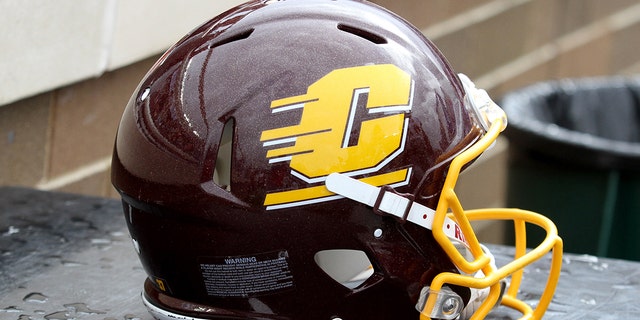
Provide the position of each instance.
(449, 207)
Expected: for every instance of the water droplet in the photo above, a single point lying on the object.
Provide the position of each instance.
(83, 308)
(591, 302)
(69, 202)
(11, 230)
(11, 309)
(35, 297)
(623, 286)
(24, 317)
(585, 258)
(118, 234)
(60, 315)
(600, 267)
(101, 243)
(69, 263)
(131, 317)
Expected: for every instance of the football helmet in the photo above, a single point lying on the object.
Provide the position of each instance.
(297, 160)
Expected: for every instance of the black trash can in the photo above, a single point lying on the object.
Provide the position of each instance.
(574, 156)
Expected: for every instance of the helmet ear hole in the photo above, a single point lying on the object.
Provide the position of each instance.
(350, 268)
(222, 172)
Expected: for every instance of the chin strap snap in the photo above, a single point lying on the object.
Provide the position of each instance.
(446, 304)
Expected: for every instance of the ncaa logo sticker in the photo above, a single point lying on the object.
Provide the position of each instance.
(354, 121)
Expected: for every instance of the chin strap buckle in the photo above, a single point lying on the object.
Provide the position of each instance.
(444, 304)
(385, 204)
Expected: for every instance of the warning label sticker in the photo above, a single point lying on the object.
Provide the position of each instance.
(244, 276)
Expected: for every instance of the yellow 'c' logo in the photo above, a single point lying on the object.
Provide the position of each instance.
(328, 139)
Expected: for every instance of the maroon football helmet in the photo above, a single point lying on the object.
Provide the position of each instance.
(285, 160)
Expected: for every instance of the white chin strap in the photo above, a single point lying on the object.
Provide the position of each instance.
(387, 202)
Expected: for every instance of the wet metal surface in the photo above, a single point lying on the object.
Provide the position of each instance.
(68, 256)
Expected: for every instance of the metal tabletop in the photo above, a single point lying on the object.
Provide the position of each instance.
(66, 256)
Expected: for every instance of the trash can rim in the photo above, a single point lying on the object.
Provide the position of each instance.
(535, 129)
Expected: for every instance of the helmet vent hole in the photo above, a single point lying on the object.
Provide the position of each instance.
(350, 268)
(236, 37)
(222, 172)
(368, 35)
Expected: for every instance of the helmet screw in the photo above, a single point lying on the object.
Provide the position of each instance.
(450, 306)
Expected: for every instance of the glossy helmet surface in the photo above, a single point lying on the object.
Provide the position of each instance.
(290, 159)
